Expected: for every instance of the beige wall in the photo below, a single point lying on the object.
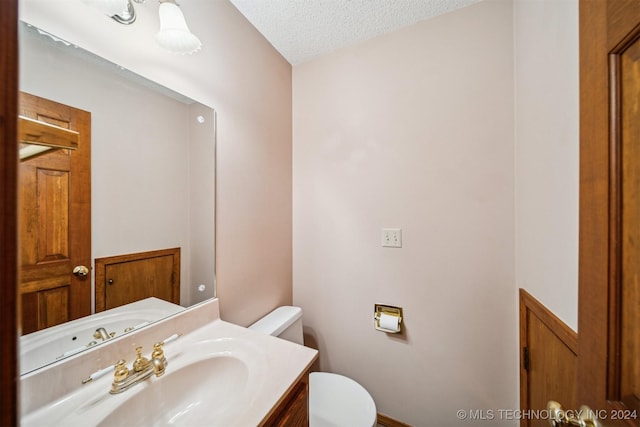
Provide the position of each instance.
(414, 130)
(241, 76)
(547, 153)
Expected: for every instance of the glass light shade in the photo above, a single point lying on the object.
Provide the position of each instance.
(174, 35)
(108, 7)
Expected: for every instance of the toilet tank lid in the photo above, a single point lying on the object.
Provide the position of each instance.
(278, 320)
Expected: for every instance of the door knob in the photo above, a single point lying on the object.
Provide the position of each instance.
(558, 417)
(80, 270)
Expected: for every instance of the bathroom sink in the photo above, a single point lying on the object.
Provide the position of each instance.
(203, 385)
(206, 382)
(193, 395)
(52, 344)
(218, 374)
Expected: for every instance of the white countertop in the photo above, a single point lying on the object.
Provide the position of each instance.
(270, 366)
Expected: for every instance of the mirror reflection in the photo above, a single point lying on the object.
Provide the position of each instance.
(150, 196)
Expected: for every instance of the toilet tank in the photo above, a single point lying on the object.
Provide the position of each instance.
(283, 322)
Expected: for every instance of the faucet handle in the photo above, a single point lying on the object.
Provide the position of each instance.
(121, 371)
(158, 360)
(158, 352)
(141, 362)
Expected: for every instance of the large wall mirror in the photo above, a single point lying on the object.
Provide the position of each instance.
(152, 160)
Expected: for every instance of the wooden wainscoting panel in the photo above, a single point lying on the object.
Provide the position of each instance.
(123, 279)
(548, 361)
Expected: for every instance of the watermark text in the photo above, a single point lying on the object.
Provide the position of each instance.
(543, 414)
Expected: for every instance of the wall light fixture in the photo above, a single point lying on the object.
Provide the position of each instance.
(174, 35)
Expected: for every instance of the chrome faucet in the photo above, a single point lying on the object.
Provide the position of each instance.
(142, 368)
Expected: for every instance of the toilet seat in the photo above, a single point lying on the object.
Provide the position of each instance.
(338, 401)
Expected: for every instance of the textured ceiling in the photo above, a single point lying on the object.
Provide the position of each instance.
(303, 29)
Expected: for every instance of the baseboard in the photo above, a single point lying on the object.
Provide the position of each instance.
(387, 421)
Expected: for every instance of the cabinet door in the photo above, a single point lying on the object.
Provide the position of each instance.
(128, 278)
(293, 411)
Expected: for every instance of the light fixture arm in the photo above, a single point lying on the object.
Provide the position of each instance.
(127, 17)
(174, 34)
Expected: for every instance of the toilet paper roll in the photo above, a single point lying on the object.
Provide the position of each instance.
(389, 322)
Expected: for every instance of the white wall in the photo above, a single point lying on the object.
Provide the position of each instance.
(414, 130)
(547, 153)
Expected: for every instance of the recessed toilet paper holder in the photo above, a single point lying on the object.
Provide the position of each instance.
(389, 316)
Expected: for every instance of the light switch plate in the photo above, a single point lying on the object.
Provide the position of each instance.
(392, 237)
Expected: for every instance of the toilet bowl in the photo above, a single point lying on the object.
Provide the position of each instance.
(334, 400)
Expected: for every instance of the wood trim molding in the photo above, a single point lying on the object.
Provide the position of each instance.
(593, 254)
(9, 211)
(387, 421)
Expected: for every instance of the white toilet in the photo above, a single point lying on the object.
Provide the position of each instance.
(334, 400)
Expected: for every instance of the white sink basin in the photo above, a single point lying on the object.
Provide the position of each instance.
(206, 382)
(203, 392)
(186, 397)
(219, 374)
(52, 344)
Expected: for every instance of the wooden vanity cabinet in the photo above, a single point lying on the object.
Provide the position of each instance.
(293, 409)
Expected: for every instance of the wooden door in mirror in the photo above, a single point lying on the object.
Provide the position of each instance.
(55, 219)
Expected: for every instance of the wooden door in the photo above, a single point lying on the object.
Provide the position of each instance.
(609, 262)
(54, 193)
